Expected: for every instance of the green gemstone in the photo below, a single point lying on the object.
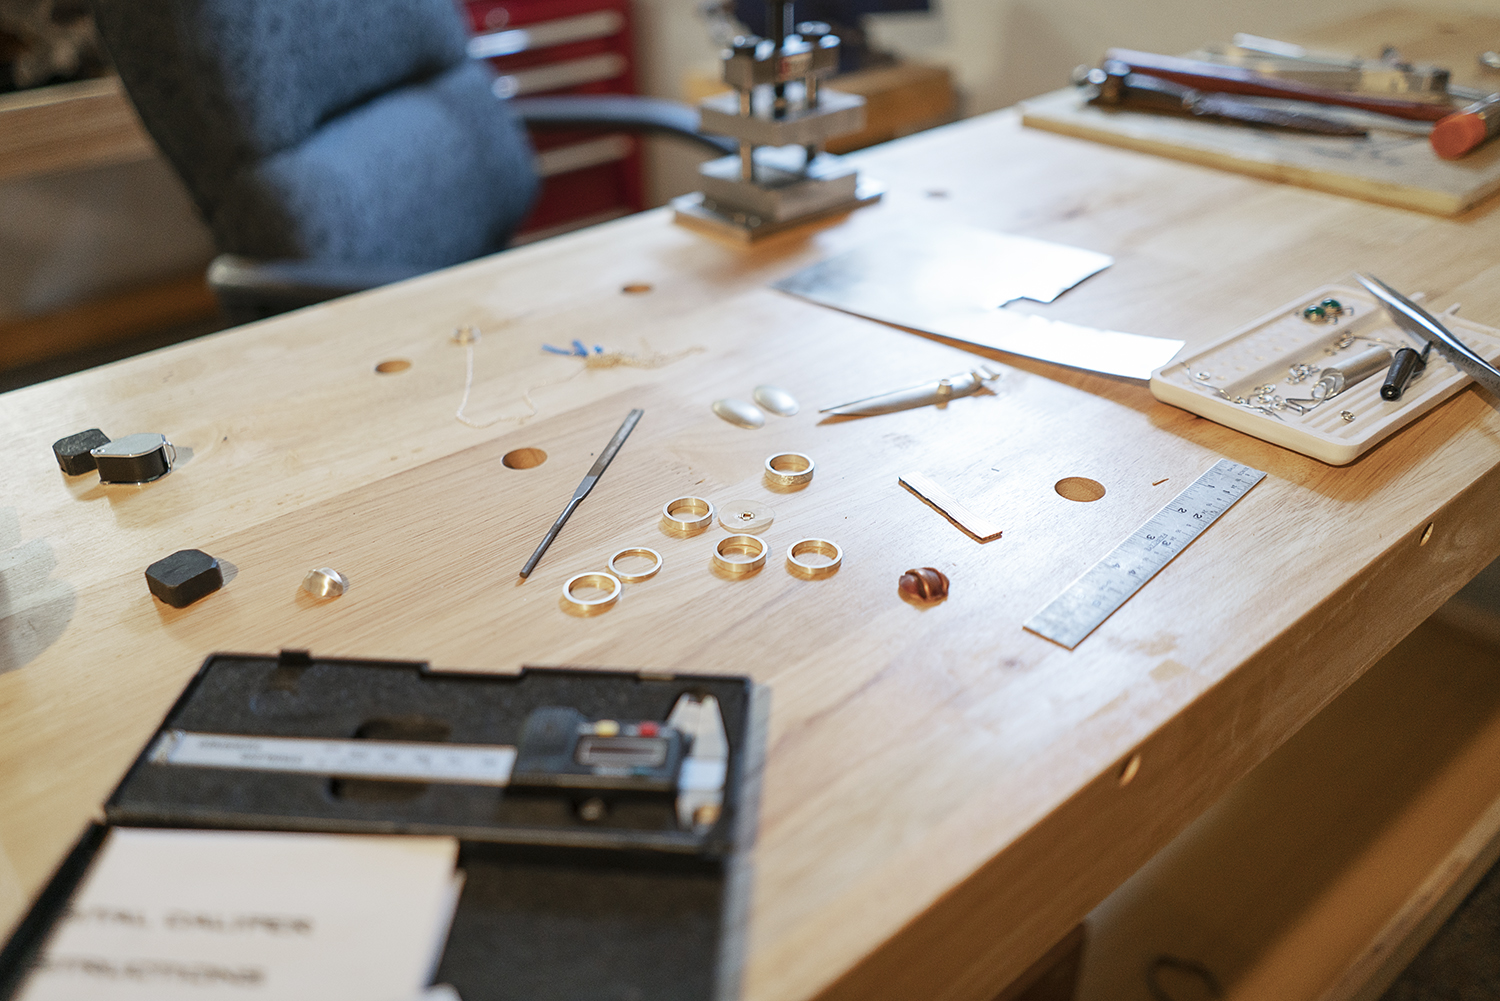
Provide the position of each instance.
(1314, 313)
(1332, 306)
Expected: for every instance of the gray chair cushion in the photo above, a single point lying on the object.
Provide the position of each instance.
(353, 130)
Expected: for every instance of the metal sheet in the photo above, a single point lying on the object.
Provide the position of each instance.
(949, 281)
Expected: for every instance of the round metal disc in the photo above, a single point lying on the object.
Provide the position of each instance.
(746, 516)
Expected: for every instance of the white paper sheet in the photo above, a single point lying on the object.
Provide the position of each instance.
(167, 915)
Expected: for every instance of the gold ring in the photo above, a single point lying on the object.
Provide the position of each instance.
(636, 578)
(740, 553)
(812, 571)
(593, 578)
(687, 515)
(789, 469)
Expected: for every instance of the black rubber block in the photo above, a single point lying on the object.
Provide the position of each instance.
(73, 451)
(184, 577)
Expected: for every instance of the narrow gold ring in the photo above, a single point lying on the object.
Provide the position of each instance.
(593, 578)
(699, 515)
(636, 578)
(813, 571)
(789, 469)
(740, 553)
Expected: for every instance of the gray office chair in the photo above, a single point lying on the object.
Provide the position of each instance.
(336, 145)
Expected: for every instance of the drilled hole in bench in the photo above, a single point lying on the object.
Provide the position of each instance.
(1079, 488)
(523, 458)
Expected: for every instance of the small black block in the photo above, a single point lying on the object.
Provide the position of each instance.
(184, 577)
(73, 451)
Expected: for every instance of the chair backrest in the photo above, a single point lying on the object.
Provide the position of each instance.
(347, 130)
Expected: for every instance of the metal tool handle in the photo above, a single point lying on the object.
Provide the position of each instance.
(1222, 79)
(1407, 363)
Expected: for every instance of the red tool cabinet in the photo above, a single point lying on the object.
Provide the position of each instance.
(567, 47)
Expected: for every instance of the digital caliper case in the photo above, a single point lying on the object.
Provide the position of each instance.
(627, 907)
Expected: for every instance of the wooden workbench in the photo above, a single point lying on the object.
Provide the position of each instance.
(943, 794)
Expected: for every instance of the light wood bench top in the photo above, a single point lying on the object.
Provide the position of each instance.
(942, 796)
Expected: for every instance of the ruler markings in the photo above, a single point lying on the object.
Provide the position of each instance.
(1093, 597)
(469, 764)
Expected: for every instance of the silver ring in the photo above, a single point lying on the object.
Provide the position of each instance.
(635, 578)
(812, 571)
(325, 582)
(740, 553)
(789, 469)
(595, 578)
(687, 515)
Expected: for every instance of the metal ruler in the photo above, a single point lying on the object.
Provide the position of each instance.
(410, 761)
(469, 764)
(1108, 584)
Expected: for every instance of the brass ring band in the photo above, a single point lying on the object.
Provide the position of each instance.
(789, 469)
(593, 578)
(635, 578)
(809, 570)
(740, 553)
(687, 515)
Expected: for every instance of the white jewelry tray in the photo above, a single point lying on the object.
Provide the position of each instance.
(1341, 428)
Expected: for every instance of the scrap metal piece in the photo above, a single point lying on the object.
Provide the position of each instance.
(950, 507)
(325, 582)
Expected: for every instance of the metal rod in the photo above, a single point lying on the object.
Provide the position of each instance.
(600, 465)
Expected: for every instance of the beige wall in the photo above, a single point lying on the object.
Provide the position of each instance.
(1001, 51)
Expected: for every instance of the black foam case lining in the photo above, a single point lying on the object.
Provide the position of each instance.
(628, 908)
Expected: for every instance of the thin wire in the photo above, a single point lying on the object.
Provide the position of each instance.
(468, 336)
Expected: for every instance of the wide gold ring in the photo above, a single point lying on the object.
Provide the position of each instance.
(593, 578)
(740, 553)
(636, 578)
(812, 571)
(789, 469)
(687, 515)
